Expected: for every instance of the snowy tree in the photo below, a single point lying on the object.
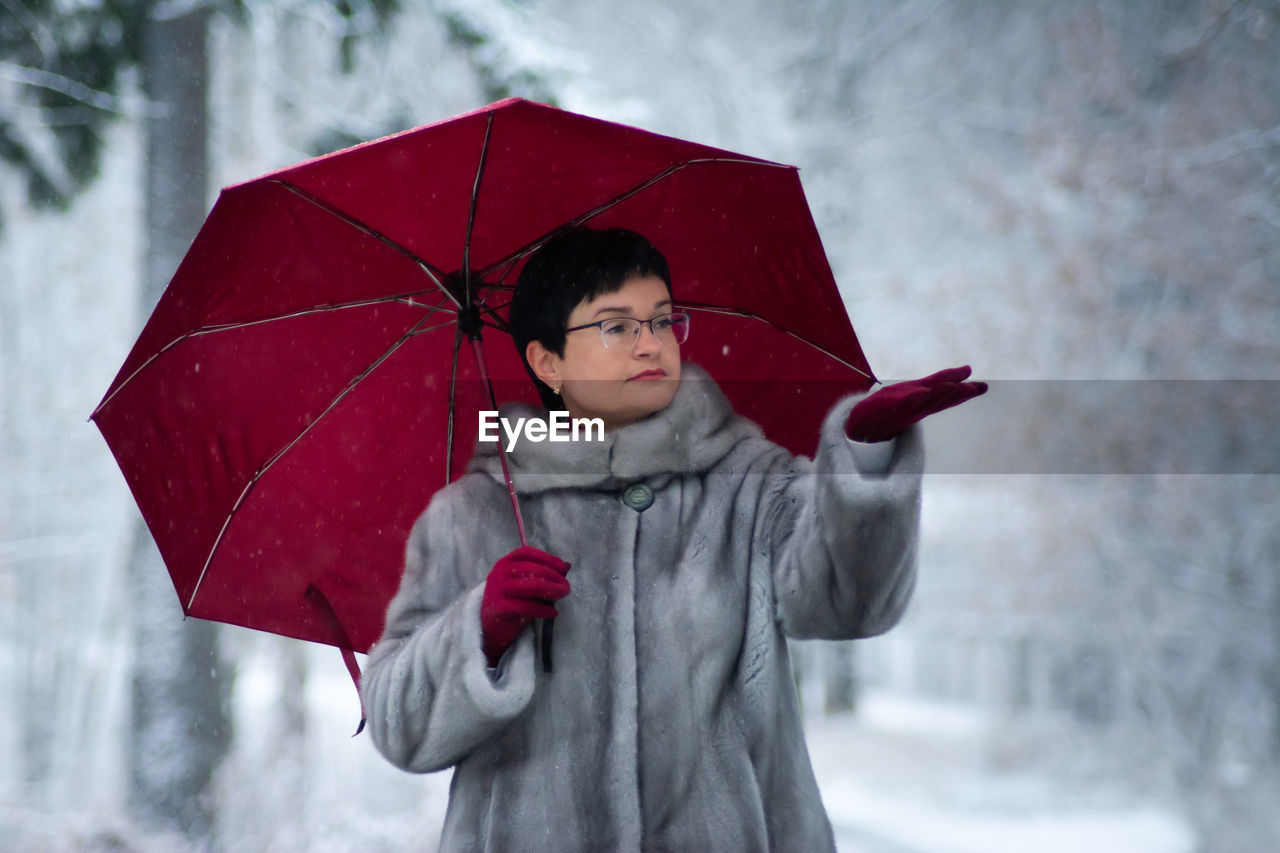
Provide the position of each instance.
(180, 726)
(65, 67)
(1091, 196)
(61, 69)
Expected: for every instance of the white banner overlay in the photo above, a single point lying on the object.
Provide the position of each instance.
(557, 427)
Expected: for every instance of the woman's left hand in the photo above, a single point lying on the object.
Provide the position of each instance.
(891, 410)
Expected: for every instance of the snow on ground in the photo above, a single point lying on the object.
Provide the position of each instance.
(904, 776)
(909, 777)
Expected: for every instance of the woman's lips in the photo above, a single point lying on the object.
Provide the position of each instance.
(649, 375)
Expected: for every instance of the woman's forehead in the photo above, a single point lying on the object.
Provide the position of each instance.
(638, 296)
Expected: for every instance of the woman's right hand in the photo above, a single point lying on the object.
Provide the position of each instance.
(522, 586)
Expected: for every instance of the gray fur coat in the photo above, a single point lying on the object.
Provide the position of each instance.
(671, 720)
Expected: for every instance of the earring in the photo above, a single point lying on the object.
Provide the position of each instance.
(555, 389)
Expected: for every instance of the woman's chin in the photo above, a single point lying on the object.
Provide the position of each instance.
(633, 402)
(653, 396)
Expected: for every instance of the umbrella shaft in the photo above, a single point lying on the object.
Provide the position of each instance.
(502, 454)
(548, 625)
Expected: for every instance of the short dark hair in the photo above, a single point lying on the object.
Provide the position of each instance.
(575, 266)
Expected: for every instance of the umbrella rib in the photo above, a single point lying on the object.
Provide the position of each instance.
(491, 312)
(436, 276)
(425, 329)
(750, 315)
(471, 212)
(404, 298)
(266, 466)
(618, 199)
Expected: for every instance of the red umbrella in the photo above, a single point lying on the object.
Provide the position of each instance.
(299, 392)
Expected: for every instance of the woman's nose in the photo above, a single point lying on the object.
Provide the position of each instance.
(647, 340)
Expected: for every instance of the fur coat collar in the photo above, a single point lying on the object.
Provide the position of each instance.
(691, 435)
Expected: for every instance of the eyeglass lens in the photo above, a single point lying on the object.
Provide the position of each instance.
(625, 331)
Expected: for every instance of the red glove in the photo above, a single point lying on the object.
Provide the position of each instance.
(891, 410)
(521, 587)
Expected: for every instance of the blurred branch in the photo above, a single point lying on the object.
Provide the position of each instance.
(47, 176)
(55, 117)
(77, 91)
(1215, 28)
(171, 10)
(41, 37)
(1219, 150)
(894, 30)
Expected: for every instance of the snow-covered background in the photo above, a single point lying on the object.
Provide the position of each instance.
(1081, 191)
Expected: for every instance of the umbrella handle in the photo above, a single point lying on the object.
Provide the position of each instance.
(548, 630)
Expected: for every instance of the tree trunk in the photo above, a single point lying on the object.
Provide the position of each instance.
(181, 727)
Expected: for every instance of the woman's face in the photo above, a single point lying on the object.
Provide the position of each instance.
(618, 385)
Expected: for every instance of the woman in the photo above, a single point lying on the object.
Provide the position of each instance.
(671, 720)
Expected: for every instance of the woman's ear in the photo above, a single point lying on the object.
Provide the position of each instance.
(544, 363)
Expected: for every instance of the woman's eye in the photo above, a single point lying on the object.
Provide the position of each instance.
(614, 327)
(661, 324)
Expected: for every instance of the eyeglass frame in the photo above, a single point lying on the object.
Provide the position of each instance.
(643, 323)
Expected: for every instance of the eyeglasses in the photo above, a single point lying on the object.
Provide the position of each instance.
(624, 332)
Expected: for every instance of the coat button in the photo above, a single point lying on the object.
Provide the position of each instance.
(638, 497)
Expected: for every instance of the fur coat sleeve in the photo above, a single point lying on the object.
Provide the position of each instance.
(844, 542)
(427, 689)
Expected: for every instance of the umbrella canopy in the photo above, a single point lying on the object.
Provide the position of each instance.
(300, 391)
